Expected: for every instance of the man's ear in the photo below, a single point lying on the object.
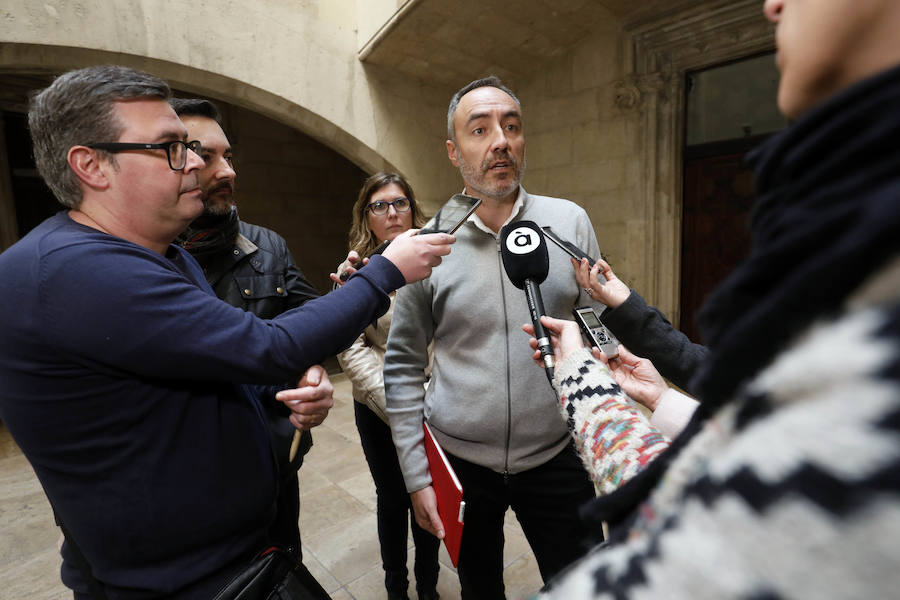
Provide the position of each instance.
(451, 152)
(88, 168)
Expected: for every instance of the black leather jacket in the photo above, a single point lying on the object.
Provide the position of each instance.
(259, 274)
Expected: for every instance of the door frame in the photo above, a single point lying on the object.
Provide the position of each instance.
(659, 52)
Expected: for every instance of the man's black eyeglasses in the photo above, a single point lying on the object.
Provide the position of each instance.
(380, 207)
(176, 151)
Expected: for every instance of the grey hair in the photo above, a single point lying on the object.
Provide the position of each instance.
(490, 81)
(78, 108)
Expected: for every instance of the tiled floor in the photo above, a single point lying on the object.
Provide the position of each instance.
(337, 521)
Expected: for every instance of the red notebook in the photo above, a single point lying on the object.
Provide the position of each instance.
(451, 505)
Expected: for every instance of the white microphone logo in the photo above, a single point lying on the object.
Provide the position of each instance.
(522, 240)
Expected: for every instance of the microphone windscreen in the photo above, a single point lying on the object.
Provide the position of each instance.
(524, 251)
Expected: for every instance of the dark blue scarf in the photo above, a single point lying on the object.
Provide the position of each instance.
(827, 216)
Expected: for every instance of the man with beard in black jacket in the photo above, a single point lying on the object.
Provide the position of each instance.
(249, 267)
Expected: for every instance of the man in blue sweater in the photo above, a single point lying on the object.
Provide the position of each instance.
(132, 390)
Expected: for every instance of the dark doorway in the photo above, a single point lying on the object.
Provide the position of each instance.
(718, 196)
(34, 201)
(730, 110)
(25, 199)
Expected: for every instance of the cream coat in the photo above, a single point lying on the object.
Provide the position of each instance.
(363, 362)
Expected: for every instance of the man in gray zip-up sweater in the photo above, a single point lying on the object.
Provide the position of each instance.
(491, 410)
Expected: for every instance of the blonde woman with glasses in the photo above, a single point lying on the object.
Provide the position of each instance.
(385, 208)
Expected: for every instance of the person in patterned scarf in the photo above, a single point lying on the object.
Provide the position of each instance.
(786, 482)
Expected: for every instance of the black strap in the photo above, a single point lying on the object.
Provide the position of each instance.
(95, 588)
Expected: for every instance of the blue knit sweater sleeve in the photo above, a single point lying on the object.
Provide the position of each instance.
(128, 308)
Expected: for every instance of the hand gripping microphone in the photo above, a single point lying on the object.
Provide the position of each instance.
(525, 258)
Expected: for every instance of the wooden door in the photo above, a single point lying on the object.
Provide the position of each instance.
(718, 196)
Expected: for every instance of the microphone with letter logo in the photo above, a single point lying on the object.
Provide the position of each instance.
(527, 263)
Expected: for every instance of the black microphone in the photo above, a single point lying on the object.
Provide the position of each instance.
(527, 263)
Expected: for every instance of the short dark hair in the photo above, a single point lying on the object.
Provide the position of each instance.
(490, 81)
(77, 109)
(195, 107)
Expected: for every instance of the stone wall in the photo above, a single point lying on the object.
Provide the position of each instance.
(604, 118)
(605, 128)
(582, 147)
(295, 62)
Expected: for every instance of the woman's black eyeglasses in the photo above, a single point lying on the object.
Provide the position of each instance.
(380, 207)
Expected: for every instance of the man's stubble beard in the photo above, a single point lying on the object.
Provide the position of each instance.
(217, 207)
(476, 178)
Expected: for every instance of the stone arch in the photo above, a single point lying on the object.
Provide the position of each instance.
(307, 201)
(51, 59)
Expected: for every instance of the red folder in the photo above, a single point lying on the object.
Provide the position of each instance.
(451, 506)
